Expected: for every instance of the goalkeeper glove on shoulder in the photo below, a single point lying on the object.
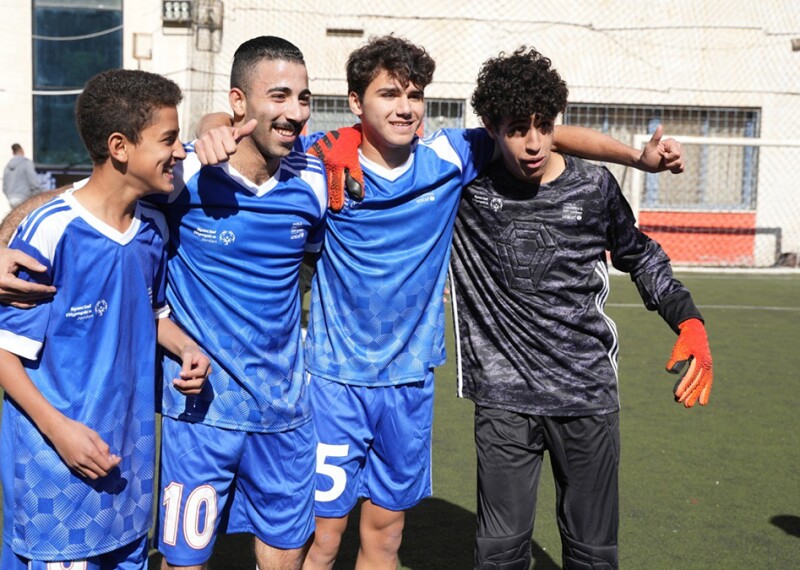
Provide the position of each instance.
(338, 150)
(692, 355)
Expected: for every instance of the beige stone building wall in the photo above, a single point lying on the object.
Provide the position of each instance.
(718, 53)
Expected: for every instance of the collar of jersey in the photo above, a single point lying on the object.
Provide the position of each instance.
(254, 188)
(103, 228)
(390, 174)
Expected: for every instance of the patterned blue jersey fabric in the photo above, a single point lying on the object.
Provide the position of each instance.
(91, 352)
(234, 262)
(377, 317)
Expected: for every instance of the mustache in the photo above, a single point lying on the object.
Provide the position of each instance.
(288, 125)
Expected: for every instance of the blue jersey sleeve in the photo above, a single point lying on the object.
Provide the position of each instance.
(304, 142)
(316, 236)
(475, 149)
(152, 215)
(22, 331)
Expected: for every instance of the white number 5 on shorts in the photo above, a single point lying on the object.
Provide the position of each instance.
(335, 472)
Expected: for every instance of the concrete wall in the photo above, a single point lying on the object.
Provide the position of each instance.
(734, 53)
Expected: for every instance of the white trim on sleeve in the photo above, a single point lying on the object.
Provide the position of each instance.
(20, 345)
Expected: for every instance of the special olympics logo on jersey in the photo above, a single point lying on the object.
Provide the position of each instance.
(227, 237)
(496, 204)
(100, 307)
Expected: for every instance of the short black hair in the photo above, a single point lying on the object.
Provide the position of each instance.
(519, 85)
(402, 60)
(16, 147)
(121, 101)
(253, 51)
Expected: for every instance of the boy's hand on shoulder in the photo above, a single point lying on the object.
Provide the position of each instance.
(18, 292)
(82, 449)
(660, 155)
(338, 150)
(195, 371)
(218, 144)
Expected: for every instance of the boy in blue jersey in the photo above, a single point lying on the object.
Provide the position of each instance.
(78, 430)
(538, 354)
(377, 318)
(239, 457)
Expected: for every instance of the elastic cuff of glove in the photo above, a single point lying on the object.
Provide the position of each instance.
(678, 307)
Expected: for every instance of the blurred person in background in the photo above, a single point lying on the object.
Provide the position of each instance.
(19, 178)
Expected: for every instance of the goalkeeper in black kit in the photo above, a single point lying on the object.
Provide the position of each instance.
(538, 354)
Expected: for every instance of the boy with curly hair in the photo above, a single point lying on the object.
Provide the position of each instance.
(538, 355)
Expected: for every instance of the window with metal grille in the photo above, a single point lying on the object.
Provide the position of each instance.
(329, 112)
(443, 114)
(716, 178)
(333, 111)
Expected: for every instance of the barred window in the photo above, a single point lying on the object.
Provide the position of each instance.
(329, 112)
(333, 111)
(716, 178)
(443, 114)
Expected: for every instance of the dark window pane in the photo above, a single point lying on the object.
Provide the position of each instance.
(73, 40)
(55, 138)
(69, 63)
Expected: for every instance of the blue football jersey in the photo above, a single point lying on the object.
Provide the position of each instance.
(377, 317)
(233, 271)
(91, 351)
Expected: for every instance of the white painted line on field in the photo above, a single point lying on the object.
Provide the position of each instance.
(726, 272)
(738, 307)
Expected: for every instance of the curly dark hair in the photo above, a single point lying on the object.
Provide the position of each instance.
(121, 101)
(402, 60)
(518, 85)
(253, 51)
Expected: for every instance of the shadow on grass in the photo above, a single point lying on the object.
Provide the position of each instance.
(790, 524)
(438, 536)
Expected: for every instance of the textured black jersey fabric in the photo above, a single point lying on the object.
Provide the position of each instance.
(531, 280)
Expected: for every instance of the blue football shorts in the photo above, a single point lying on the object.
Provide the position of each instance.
(373, 442)
(215, 481)
(132, 556)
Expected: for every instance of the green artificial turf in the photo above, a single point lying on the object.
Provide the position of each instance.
(706, 488)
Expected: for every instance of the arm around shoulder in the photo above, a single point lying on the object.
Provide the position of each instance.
(593, 145)
(211, 121)
(15, 217)
(218, 139)
(657, 156)
(13, 290)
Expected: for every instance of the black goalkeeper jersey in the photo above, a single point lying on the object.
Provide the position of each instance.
(530, 285)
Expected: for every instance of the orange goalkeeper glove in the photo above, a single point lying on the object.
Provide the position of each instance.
(692, 354)
(338, 150)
